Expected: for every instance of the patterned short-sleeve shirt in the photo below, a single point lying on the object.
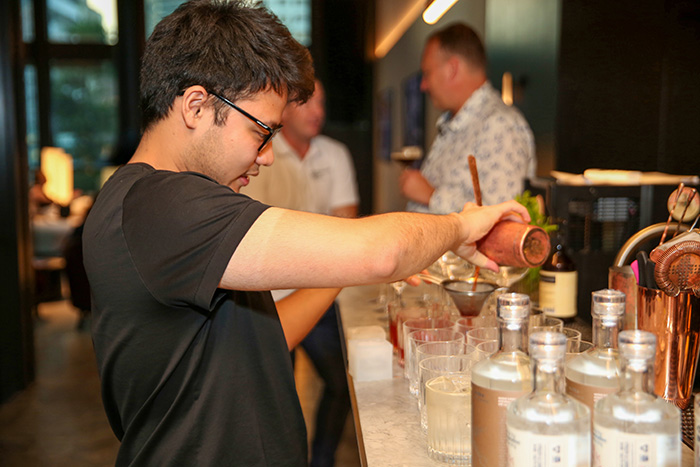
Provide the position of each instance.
(500, 139)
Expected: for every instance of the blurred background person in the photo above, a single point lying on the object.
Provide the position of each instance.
(38, 200)
(314, 173)
(475, 121)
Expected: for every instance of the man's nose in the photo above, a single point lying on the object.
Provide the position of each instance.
(266, 157)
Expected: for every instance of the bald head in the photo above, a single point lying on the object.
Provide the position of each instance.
(453, 66)
(459, 39)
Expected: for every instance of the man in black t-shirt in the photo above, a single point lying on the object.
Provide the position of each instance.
(192, 352)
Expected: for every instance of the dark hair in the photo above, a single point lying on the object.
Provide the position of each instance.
(229, 48)
(460, 39)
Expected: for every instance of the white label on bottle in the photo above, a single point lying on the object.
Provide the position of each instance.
(558, 293)
(614, 448)
(526, 449)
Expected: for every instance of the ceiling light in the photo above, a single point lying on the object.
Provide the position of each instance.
(435, 9)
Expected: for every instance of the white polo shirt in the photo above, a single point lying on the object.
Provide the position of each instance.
(320, 182)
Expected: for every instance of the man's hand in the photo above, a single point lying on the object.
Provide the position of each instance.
(415, 187)
(478, 221)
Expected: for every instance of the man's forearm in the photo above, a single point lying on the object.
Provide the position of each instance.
(287, 249)
(349, 211)
(300, 311)
(414, 240)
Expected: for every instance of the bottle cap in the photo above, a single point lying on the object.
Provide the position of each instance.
(513, 306)
(608, 303)
(637, 346)
(547, 345)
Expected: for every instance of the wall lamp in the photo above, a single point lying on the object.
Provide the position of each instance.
(435, 9)
(58, 169)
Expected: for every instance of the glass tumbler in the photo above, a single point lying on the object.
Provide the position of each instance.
(546, 324)
(440, 365)
(401, 309)
(448, 407)
(422, 336)
(574, 348)
(479, 335)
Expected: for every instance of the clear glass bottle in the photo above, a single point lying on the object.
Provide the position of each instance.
(499, 380)
(592, 375)
(634, 426)
(548, 427)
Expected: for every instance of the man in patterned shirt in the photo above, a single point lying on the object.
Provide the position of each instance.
(476, 121)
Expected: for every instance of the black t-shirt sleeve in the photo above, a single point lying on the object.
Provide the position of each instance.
(181, 230)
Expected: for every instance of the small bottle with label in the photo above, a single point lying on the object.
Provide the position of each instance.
(547, 427)
(634, 426)
(592, 375)
(499, 380)
(558, 280)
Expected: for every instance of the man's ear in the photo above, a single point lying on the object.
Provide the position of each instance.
(192, 105)
(453, 65)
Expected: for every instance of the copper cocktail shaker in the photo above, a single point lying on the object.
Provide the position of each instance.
(511, 243)
(676, 323)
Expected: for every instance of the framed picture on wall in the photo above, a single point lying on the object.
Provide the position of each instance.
(384, 109)
(413, 112)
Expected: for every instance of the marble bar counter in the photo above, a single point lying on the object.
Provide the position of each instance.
(386, 415)
(387, 421)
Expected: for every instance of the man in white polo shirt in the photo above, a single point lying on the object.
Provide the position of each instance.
(314, 173)
(311, 172)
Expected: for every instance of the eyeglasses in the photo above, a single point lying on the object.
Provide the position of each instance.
(271, 132)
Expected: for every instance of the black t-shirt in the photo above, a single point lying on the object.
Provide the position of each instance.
(192, 375)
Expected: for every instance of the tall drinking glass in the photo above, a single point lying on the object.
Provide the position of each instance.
(410, 325)
(423, 336)
(467, 323)
(573, 337)
(547, 324)
(448, 407)
(484, 350)
(440, 365)
(479, 335)
(574, 348)
(402, 309)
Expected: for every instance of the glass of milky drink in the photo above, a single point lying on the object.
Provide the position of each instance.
(448, 407)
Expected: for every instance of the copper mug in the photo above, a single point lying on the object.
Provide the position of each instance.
(676, 323)
(511, 243)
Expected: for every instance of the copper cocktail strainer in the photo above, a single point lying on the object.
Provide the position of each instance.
(678, 269)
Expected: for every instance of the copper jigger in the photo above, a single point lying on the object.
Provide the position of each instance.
(676, 323)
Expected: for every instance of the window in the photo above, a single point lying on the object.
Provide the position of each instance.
(72, 87)
(84, 110)
(75, 21)
(27, 20)
(30, 96)
(295, 14)
(71, 82)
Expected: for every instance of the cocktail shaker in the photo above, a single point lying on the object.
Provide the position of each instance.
(676, 323)
(511, 243)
